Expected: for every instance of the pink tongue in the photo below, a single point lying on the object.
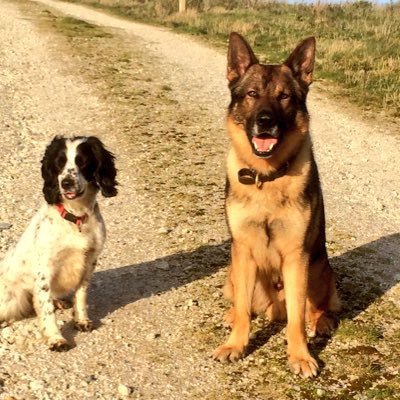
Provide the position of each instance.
(263, 144)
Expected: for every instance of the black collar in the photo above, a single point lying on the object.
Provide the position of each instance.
(249, 176)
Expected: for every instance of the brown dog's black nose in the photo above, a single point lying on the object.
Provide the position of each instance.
(67, 183)
(265, 120)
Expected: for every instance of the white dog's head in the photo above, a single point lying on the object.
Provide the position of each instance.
(71, 166)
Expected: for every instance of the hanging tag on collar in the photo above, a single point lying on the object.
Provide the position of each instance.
(247, 176)
(259, 181)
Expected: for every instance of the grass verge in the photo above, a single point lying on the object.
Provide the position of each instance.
(357, 42)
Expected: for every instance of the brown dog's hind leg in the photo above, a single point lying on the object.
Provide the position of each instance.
(243, 278)
(321, 298)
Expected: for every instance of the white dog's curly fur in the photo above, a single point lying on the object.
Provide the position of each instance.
(58, 251)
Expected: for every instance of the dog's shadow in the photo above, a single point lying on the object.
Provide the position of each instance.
(364, 274)
(114, 288)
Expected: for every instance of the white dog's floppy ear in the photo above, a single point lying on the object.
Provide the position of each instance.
(53, 162)
(105, 172)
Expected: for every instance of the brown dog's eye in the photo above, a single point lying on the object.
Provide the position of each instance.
(283, 96)
(252, 93)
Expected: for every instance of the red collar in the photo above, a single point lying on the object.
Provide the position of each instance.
(78, 221)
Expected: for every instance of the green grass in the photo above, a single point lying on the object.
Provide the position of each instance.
(358, 43)
(361, 332)
(72, 27)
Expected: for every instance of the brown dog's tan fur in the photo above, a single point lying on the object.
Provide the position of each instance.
(279, 261)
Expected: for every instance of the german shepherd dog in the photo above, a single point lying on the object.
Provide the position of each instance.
(274, 205)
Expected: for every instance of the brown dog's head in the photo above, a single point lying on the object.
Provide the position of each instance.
(269, 101)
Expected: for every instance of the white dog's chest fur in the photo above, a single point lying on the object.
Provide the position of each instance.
(73, 252)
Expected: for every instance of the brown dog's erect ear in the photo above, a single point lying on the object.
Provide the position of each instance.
(302, 60)
(240, 57)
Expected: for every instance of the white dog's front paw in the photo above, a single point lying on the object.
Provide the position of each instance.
(58, 344)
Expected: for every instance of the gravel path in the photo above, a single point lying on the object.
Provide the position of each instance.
(156, 296)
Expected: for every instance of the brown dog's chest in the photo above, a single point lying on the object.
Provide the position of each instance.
(270, 221)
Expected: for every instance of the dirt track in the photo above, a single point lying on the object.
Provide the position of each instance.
(157, 100)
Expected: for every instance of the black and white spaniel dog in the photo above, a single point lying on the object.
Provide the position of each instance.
(58, 251)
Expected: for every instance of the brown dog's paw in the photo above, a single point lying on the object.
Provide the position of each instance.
(84, 326)
(227, 353)
(323, 326)
(58, 344)
(326, 325)
(306, 367)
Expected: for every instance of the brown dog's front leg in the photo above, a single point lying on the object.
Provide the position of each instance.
(295, 285)
(243, 276)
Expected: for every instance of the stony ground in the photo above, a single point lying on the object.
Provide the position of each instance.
(157, 100)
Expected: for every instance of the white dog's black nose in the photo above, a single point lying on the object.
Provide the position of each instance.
(67, 183)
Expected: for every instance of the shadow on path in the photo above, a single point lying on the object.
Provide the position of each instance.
(114, 288)
(364, 274)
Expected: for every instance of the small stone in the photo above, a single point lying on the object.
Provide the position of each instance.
(163, 265)
(20, 340)
(152, 336)
(164, 230)
(7, 334)
(124, 390)
(192, 303)
(36, 385)
(90, 378)
(5, 225)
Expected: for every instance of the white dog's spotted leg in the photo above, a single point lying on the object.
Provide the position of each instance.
(44, 308)
(82, 321)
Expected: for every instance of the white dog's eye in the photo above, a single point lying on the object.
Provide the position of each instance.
(61, 160)
(79, 161)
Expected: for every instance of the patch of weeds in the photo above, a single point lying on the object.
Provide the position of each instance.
(381, 392)
(364, 333)
(72, 27)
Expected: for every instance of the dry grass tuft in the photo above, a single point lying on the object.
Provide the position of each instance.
(357, 42)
